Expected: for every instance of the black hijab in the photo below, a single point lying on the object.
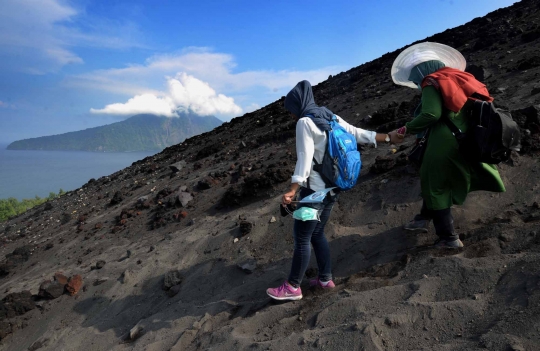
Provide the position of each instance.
(300, 102)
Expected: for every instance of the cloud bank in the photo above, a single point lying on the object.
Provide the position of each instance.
(215, 68)
(198, 73)
(144, 103)
(37, 36)
(184, 93)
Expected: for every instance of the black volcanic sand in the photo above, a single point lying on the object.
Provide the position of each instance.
(192, 276)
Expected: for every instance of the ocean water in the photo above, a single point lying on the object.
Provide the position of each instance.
(25, 174)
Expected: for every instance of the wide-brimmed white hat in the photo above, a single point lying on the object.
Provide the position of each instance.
(422, 52)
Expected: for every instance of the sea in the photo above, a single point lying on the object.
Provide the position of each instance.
(25, 174)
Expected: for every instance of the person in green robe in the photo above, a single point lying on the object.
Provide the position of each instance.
(446, 177)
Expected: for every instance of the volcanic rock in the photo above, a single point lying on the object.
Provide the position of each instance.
(20, 255)
(248, 266)
(60, 278)
(13, 305)
(206, 183)
(174, 290)
(39, 344)
(245, 227)
(51, 289)
(15, 259)
(100, 264)
(135, 332)
(383, 164)
(65, 218)
(117, 198)
(171, 279)
(184, 198)
(529, 63)
(178, 166)
(74, 284)
(126, 277)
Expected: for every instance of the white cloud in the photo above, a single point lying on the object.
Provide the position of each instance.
(211, 67)
(191, 93)
(145, 103)
(39, 35)
(185, 92)
(216, 69)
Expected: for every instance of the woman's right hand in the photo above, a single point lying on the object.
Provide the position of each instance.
(289, 195)
(287, 198)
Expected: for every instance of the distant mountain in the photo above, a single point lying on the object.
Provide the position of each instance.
(143, 132)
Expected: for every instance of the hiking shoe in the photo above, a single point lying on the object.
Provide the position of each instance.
(448, 244)
(317, 282)
(284, 292)
(417, 226)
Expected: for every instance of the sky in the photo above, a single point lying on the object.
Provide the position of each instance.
(68, 65)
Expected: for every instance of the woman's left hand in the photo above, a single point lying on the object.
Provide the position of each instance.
(401, 131)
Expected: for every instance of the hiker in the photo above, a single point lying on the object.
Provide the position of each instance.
(446, 177)
(311, 144)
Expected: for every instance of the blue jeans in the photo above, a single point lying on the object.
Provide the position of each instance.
(306, 232)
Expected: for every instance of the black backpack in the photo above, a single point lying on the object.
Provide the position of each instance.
(492, 134)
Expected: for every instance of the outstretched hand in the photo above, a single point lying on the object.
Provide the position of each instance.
(395, 138)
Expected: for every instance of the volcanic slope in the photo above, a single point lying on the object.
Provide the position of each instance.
(175, 252)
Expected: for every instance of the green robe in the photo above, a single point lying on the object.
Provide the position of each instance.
(445, 176)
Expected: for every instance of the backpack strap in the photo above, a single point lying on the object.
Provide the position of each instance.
(453, 128)
(325, 126)
(321, 123)
(318, 166)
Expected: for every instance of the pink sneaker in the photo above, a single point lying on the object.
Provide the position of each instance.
(317, 282)
(284, 292)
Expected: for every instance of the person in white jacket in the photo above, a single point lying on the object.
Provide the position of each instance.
(311, 144)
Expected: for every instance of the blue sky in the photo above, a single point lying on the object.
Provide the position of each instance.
(70, 65)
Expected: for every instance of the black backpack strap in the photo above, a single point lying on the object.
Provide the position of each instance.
(455, 130)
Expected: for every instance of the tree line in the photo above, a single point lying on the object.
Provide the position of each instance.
(11, 207)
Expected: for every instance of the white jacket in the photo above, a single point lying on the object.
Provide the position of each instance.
(311, 142)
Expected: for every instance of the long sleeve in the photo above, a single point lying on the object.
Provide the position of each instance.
(430, 113)
(304, 152)
(362, 136)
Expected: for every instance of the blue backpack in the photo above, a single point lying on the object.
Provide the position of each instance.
(341, 163)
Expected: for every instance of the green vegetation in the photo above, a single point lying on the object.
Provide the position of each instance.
(11, 207)
(138, 133)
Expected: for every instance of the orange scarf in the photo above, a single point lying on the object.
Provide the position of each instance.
(456, 87)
